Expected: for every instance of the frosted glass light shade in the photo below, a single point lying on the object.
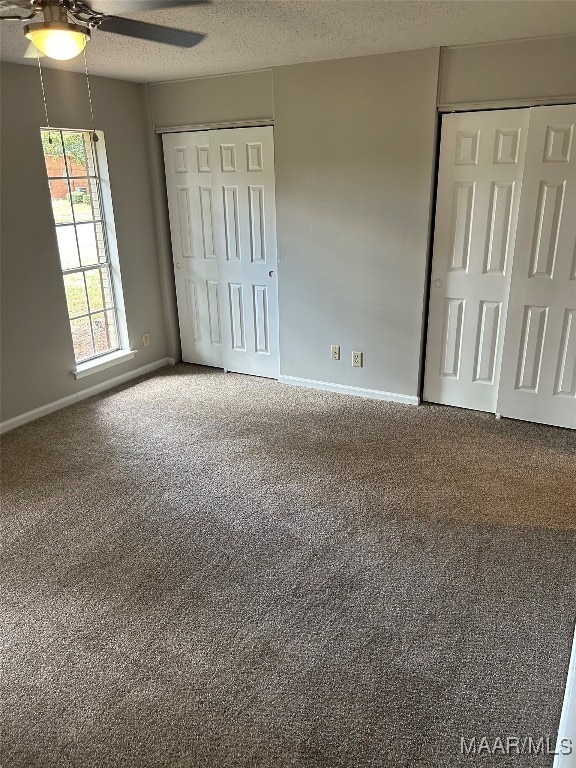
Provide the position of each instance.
(58, 40)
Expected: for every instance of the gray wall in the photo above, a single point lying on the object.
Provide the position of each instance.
(354, 143)
(527, 71)
(355, 168)
(246, 96)
(37, 353)
(354, 146)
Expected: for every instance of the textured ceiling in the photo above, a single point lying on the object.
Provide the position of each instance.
(243, 35)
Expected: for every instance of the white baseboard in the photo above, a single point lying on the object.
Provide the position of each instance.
(44, 410)
(567, 727)
(344, 389)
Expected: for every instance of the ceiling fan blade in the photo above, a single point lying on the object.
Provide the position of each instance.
(134, 6)
(144, 31)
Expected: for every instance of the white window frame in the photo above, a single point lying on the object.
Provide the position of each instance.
(106, 360)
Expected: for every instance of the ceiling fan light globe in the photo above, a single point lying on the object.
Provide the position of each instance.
(58, 41)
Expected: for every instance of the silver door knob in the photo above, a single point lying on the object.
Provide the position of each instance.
(271, 273)
(438, 283)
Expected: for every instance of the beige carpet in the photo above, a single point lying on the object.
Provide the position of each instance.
(219, 571)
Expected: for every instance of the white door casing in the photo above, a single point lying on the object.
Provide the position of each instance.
(538, 379)
(226, 281)
(481, 160)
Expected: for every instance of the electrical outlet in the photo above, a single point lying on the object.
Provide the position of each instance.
(357, 359)
(146, 339)
(335, 352)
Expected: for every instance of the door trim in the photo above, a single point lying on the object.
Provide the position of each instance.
(260, 123)
(480, 106)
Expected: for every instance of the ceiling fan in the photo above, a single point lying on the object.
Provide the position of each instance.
(67, 24)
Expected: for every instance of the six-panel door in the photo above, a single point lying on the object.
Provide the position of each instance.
(223, 224)
(190, 204)
(538, 380)
(481, 160)
(242, 163)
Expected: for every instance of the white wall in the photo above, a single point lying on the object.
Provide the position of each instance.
(37, 353)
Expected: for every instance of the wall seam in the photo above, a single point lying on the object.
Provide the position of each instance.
(161, 232)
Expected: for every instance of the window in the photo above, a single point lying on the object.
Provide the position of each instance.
(84, 229)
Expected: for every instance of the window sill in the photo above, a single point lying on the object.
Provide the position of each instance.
(101, 363)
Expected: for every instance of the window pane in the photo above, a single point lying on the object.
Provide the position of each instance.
(85, 199)
(88, 209)
(61, 206)
(82, 338)
(53, 153)
(78, 148)
(95, 289)
(100, 328)
(81, 199)
(75, 294)
(87, 244)
(68, 247)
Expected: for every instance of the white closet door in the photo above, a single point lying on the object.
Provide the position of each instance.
(189, 184)
(481, 159)
(538, 379)
(244, 205)
(223, 224)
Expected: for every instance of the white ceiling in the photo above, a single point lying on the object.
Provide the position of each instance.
(245, 35)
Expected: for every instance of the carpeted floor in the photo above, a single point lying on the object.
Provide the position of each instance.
(219, 571)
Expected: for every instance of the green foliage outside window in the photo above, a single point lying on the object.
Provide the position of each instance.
(73, 144)
(78, 197)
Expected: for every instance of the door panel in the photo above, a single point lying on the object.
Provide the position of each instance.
(189, 184)
(481, 158)
(538, 380)
(243, 182)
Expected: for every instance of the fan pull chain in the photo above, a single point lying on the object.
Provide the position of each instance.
(94, 134)
(44, 98)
